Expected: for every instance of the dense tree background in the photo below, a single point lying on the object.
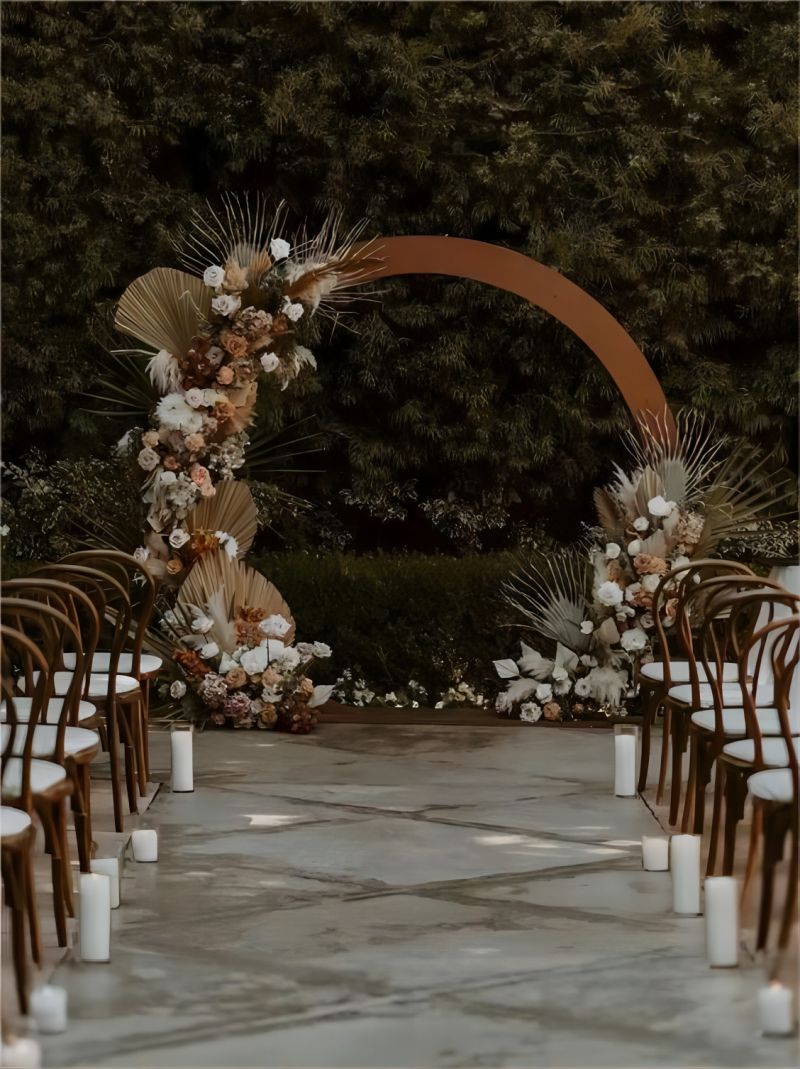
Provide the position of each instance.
(646, 150)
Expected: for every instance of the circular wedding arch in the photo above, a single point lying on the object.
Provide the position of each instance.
(547, 289)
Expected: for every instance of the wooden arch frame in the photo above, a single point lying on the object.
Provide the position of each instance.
(542, 286)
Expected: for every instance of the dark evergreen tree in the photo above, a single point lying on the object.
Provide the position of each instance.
(645, 150)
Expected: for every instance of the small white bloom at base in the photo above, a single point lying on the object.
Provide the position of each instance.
(650, 583)
(583, 688)
(279, 249)
(292, 310)
(609, 593)
(4, 530)
(659, 507)
(214, 276)
(560, 673)
(641, 523)
(140, 554)
(178, 538)
(211, 649)
(269, 362)
(202, 624)
(679, 562)
(178, 689)
(544, 692)
(634, 547)
(321, 650)
(530, 712)
(587, 627)
(612, 550)
(633, 640)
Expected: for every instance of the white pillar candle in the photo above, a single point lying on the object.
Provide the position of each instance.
(655, 853)
(624, 765)
(95, 917)
(145, 844)
(109, 866)
(49, 1009)
(21, 1054)
(181, 752)
(775, 1010)
(684, 857)
(722, 921)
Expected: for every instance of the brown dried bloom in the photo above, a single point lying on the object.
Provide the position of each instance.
(646, 564)
(232, 343)
(237, 677)
(174, 566)
(171, 463)
(224, 411)
(551, 711)
(191, 663)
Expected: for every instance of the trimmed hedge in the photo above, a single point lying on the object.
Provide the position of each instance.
(393, 618)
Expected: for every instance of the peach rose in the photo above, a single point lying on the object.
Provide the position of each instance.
(551, 711)
(237, 677)
(232, 343)
(306, 688)
(150, 439)
(646, 564)
(270, 678)
(615, 571)
(194, 442)
(174, 566)
(225, 376)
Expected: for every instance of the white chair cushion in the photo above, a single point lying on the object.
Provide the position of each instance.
(44, 774)
(774, 785)
(148, 662)
(13, 821)
(23, 705)
(44, 739)
(733, 722)
(731, 694)
(773, 751)
(679, 671)
(98, 684)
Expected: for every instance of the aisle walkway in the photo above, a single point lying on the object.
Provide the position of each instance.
(406, 897)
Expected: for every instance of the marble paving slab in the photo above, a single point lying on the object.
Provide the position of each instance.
(404, 897)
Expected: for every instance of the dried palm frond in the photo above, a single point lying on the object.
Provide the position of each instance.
(164, 308)
(609, 516)
(552, 596)
(222, 587)
(328, 270)
(240, 230)
(125, 390)
(231, 509)
(683, 462)
(271, 452)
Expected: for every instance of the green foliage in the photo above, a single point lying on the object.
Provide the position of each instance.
(645, 150)
(395, 617)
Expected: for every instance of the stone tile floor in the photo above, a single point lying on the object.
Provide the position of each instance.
(404, 897)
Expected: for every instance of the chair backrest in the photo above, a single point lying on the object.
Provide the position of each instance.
(111, 601)
(674, 589)
(136, 575)
(779, 640)
(742, 626)
(15, 645)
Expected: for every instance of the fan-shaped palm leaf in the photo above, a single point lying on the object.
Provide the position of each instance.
(240, 229)
(164, 308)
(231, 509)
(552, 597)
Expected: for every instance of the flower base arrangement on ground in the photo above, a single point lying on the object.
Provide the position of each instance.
(592, 608)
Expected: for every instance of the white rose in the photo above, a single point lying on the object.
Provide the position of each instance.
(587, 627)
(178, 689)
(647, 621)
(269, 362)
(141, 554)
(288, 659)
(202, 624)
(211, 649)
(679, 562)
(582, 688)
(609, 593)
(214, 276)
(544, 692)
(254, 661)
(633, 640)
(194, 397)
(560, 673)
(631, 590)
(588, 661)
(659, 506)
(279, 249)
(321, 650)
(292, 311)
(167, 478)
(226, 305)
(612, 550)
(530, 712)
(634, 547)
(226, 663)
(641, 523)
(274, 626)
(650, 582)
(148, 459)
(178, 538)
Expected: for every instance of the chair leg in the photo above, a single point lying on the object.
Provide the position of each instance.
(137, 718)
(112, 723)
(32, 909)
(691, 783)
(735, 793)
(664, 764)
(130, 763)
(678, 745)
(13, 887)
(146, 728)
(719, 784)
(56, 875)
(706, 759)
(80, 818)
(66, 867)
(790, 905)
(775, 826)
(756, 831)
